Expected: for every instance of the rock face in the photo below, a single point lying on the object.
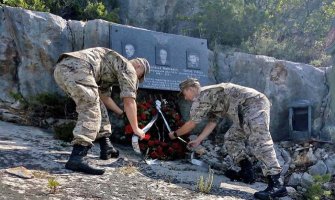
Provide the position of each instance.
(283, 82)
(32, 41)
(158, 15)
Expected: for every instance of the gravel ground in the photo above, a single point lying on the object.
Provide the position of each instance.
(127, 177)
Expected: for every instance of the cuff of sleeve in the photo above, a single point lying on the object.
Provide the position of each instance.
(128, 94)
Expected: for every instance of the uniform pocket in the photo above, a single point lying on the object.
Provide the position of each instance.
(87, 81)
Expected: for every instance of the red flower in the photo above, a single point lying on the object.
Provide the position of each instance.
(164, 144)
(153, 112)
(159, 150)
(147, 136)
(128, 129)
(151, 143)
(157, 142)
(143, 116)
(170, 150)
(176, 146)
(161, 155)
(148, 105)
(143, 147)
(154, 155)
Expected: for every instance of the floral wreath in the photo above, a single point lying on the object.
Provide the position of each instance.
(157, 143)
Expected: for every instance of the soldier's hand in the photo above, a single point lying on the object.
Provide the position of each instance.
(172, 137)
(194, 143)
(140, 133)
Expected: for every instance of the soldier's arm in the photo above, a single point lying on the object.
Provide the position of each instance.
(205, 132)
(130, 108)
(186, 128)
(110, 104)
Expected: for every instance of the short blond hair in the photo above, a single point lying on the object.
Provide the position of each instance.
(190, 82)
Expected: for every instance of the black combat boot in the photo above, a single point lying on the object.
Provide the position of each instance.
(78, 164)
(275, 188)
(107, 150)
(233, 175)
(247, 173)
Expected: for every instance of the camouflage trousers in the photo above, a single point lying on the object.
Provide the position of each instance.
(252, 130)
(76, 78)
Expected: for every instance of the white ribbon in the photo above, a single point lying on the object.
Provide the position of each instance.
(134, 139)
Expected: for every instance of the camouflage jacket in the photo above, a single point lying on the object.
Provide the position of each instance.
(109, 69)
(221, 100)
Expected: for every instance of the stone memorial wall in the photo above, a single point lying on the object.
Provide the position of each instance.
(173, 58)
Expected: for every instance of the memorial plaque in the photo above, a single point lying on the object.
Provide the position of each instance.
(173, 58)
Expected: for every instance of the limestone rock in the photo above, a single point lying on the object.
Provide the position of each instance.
(295, 179)
(319, 168)
(283, 82)
(306, 180)
(330, 162)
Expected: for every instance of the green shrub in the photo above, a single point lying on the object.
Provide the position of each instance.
(71, 9)
(53, 185)
(46, 105)
(316, 190)
(294, 30)
(64, 131)
(37, 5)
(98, 10)
(18, 97)
(205, 186)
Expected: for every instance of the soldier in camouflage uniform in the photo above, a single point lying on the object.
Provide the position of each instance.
(87, 77)
(250, 113)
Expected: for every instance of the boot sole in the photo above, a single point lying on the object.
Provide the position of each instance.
(86, 171)
(270, 197)
(108, 156)
(283, 194)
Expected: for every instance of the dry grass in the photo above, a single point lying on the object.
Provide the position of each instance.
(203, 185)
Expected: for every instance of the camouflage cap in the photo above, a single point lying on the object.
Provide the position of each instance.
(144, 62)
(189, 83)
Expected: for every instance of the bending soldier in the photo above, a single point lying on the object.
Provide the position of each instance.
(250, 113)
(87, 76)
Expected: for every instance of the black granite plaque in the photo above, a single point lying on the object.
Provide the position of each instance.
(173, 58)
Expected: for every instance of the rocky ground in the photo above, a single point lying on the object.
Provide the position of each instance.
(127, 177)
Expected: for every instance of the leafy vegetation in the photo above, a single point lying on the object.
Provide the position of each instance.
(71, 9)
(316, 190)
(292, 30)
(205, 186)
(53, 185)
(46, 105)
(64, 131)
(286, 29)
(18, 97)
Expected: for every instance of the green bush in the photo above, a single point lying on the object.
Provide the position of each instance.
(293, 30)
(46, 105)
(98, 10)
(71, 9)
(38, 5)
(316, 190)
(64, 131)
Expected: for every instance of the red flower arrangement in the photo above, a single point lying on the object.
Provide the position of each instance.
(157, 143)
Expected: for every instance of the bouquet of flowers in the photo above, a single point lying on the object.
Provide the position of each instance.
(157, 144)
